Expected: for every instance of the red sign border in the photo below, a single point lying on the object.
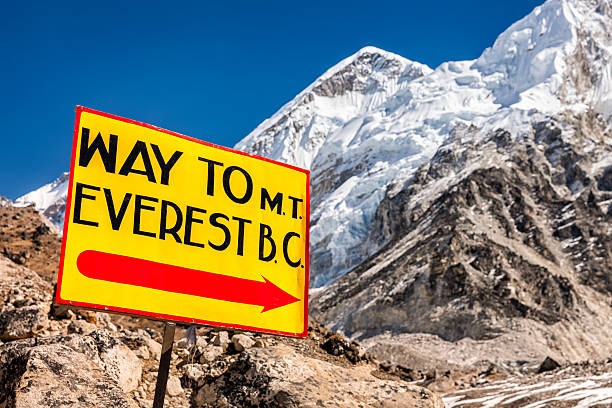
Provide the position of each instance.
(162, 316)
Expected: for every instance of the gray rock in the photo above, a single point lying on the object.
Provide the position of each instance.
(242, 342)
(221, 339)
(201, 341)
(280, 377)
(24, 301)
(81, 327)
(210, 354)
(55, 375)
(193, 371)
(174, 388)
(118, 360)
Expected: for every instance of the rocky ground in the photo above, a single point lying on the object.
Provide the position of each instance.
(55, 357)
(29, 240)
(52, 356)
(587, 384)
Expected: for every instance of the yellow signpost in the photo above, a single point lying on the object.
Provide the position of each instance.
(166, 226)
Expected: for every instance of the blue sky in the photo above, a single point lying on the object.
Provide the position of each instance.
(213, 71)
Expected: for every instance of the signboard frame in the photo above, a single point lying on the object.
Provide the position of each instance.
(161, 316)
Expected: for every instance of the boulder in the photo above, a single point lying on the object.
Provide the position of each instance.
(117, 359)
(242, 342)
(54, 375)
(103, 349)
(221, 339)
(173, 387)
(23, 322)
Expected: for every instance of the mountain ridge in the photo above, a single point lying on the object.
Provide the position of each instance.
(367, 124)
(462, 215)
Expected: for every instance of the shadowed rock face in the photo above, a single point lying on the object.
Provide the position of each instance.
(496, 229)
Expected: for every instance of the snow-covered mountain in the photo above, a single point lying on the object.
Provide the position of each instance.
(49, 199)
(498, 246)
(334, 128)
(555, 59)
(367, 124)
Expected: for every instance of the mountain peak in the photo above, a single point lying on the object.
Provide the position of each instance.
(359, 83)
(372, 56)
(374, 50)
(367, 71)
(549, 55)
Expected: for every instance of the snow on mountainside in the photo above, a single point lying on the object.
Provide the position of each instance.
(49, 199)
(553, 60)
(367, 124)
(357, 85)
(498, 247)
(339, 112)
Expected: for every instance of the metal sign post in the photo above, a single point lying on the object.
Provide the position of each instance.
(164, 365)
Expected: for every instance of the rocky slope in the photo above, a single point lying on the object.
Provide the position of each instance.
(54, 357)
(499, 251)
(497, 247)
(29, 239)
(63, 358)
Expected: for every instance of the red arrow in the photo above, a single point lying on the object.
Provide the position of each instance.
(170, 278)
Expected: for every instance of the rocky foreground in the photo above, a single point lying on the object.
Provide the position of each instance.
(55, 357)
(63, 358)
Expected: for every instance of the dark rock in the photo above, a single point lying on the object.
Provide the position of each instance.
(337, 345)
(548, 365)
(23, 322)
